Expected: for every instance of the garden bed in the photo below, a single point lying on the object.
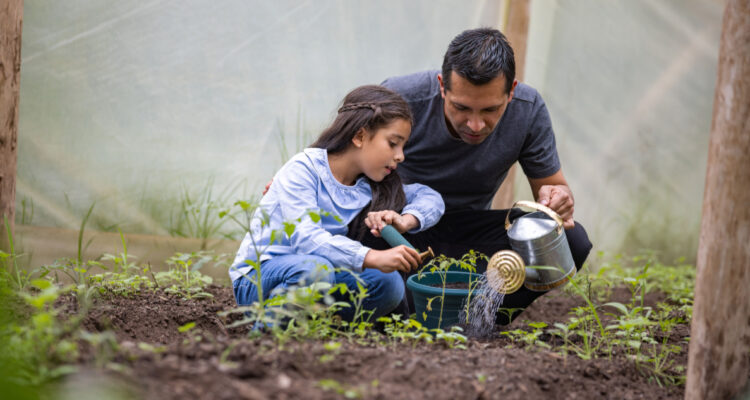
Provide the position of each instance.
(156, 360)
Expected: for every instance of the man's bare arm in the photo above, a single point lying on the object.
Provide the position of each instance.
(553, 192)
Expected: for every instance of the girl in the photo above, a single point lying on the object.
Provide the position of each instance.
(348, 172)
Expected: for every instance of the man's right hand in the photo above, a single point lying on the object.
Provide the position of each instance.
(268, 186)
(399, 258)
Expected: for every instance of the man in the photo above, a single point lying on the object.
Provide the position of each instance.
(472, 121)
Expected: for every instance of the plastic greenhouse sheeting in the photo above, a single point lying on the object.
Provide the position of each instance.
(151, 108)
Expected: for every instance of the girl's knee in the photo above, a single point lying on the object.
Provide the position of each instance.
(245, 292)
(318, 269)
(390, 288)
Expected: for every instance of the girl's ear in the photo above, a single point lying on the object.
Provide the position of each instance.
(359, 138)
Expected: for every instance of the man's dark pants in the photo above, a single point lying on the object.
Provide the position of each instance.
(483, 231)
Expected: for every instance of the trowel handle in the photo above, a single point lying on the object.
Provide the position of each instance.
(394, 238)
(391, 235)
(536, 206)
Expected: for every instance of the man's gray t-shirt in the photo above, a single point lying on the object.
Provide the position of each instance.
(467, 176)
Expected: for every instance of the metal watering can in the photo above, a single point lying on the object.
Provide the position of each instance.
(541, 258)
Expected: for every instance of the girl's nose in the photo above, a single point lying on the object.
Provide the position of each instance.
(399, 157)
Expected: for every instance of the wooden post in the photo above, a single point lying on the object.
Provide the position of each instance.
(718, 363)
(11, 16)
(516, 29)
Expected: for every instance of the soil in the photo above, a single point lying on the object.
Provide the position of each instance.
(225, 364)
(452, 285)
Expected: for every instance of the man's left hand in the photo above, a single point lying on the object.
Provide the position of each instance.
(560, 199)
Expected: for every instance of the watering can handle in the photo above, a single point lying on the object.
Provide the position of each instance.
(536, 206)
(394, 238)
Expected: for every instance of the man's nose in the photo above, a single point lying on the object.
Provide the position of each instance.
(475, 124)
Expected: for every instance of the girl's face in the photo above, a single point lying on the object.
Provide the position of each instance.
(381, 151)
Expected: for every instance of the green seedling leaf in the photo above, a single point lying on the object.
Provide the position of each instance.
(332, 346)
(186, 327)
(244, 205)
(41, 284)
(538, 325)
(275, 236)
(289, 228)
(619, 306)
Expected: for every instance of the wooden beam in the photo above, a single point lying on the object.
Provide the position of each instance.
(516, 29)
(11, 16)
(719, 355)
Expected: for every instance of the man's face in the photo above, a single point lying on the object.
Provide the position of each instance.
(472, 111)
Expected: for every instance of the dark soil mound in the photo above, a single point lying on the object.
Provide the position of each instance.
(224, 364)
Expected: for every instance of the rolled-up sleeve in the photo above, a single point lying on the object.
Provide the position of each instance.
(423, 203)
(298, 186)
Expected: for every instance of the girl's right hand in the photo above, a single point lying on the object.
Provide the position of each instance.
(399, 258)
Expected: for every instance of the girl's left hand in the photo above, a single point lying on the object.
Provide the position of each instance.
(377, 220)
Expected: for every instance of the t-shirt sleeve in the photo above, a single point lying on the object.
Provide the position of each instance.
(539, 157)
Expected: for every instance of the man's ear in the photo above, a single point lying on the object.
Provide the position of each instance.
(442, 85)
(359, 138)
(512, 90)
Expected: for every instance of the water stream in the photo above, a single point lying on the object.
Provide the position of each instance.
(484, 303)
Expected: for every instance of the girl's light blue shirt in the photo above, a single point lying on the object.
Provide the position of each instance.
(306, 183)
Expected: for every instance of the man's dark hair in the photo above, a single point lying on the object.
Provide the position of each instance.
(479, 56)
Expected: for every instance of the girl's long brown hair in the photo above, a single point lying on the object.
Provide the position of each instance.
(370, 107)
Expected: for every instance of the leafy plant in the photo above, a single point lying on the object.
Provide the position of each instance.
(42, 347)
(441, 265)
(183, 277)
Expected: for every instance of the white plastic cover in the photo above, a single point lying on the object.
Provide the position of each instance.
(150, 108)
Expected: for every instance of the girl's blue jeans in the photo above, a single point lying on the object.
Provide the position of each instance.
(385, 291)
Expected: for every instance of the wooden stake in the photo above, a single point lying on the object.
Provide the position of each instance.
(11, 16)
(516, 29)
(719, 357)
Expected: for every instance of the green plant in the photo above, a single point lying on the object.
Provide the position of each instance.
(661, 365)
(333, 349)
(412, 331)
(27, 212)
(196, 216)
(441, 265)
(42, 347)
(400, 331)
(183, 277)
(529, 338)
(76, 269)
(247, 215)
(124, 277)
(9, 261)
(349, 392)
